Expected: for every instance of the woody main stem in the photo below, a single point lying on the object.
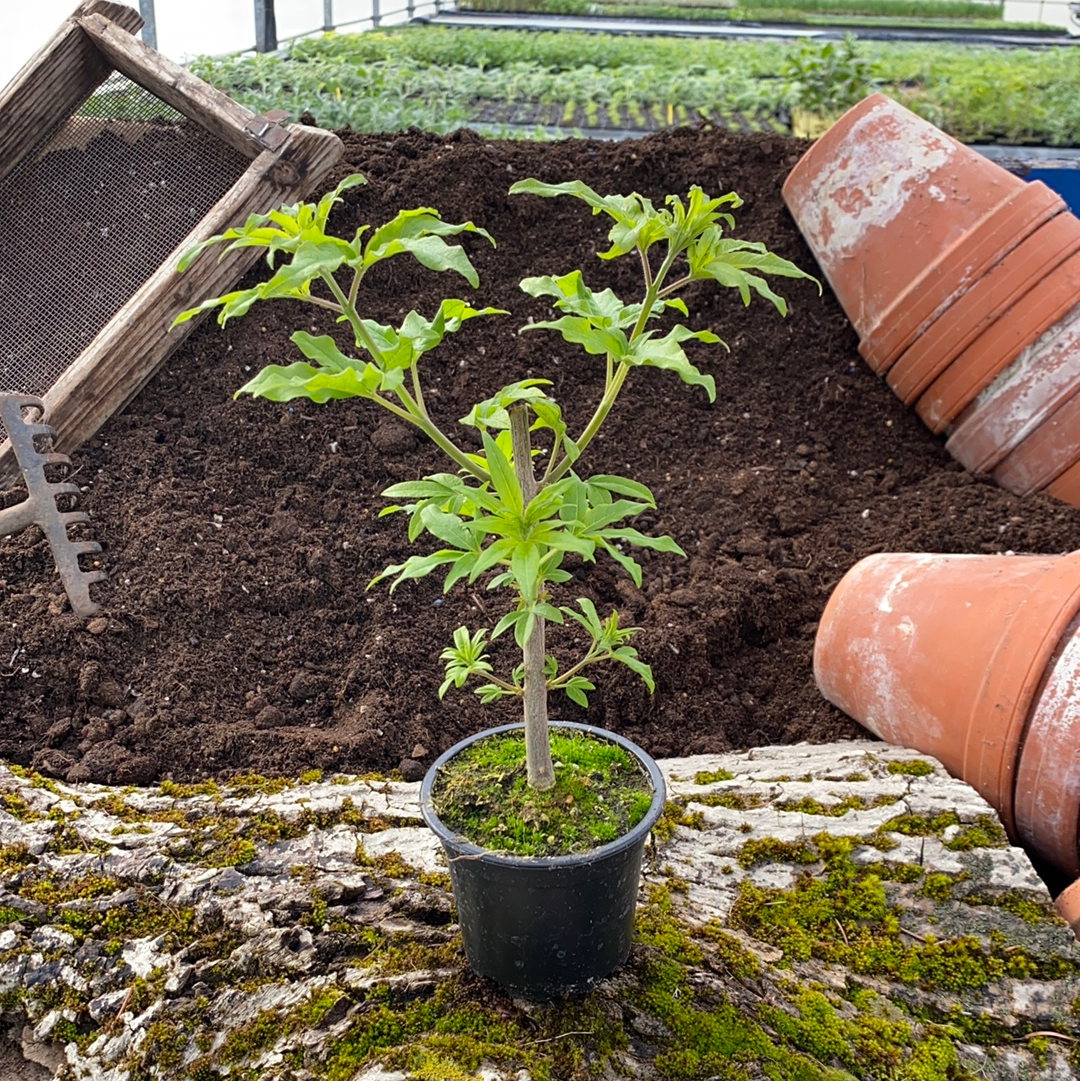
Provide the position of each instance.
(539, 768)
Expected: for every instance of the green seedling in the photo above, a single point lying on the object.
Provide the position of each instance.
(826, 78)
(509, 514)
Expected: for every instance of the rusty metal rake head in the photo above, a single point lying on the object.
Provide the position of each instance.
(39, 508)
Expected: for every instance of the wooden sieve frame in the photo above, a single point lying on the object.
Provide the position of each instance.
(287, 162)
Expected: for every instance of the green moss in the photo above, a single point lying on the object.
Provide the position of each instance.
(600, 793)
(1026, 908)
(14, 859)
(937, 887)
(857, 777)
(35, 779)
(235, 853)
(260, 1033)
(712, 776)
(17, 807)
(51, 890)
(163, 1046)
(809, 806)
(770, 850)
(985, 832)
(843, 917)
(674, 814)
(891, 871)
(733, 801)
(187, 791)
(915, 767)
(920, 825)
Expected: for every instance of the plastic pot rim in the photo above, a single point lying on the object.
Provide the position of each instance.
(631, 838)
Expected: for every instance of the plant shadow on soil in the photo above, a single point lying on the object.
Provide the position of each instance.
(236, 634)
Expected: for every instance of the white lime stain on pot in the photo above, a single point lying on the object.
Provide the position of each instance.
(1048, 779)
(881, 169)
(1009, 409)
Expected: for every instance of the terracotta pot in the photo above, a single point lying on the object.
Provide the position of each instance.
(903, 220)
(1067, 904)
(1067, 486)
(1008, 308)
(1041, 379)
(945, 654)
(1047, 801)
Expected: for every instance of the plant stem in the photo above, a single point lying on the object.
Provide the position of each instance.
(414, 410)
(614, 382)
(539, 768)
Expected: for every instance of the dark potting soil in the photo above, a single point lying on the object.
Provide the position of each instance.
(236, 633)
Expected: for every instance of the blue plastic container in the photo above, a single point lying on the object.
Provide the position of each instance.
(1057, 167)
(1065, 180)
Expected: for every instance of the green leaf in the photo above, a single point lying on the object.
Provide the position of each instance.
(602, 310)
(415, 567)
(637, 224)
(641, 540)
(667, 353)
(417, 489)
(605, 515)
(496, 552)
(628, 563)
(622, 486)
(323, 350)
(446, 527)
(730, 262)
(493, 411)
(628, 656)
(525, 566)
(503, 479)
(588, 618)
(420, 232)
(465, 658)
(575, 689)
(579, 331)
(300, 380)
(508, 620)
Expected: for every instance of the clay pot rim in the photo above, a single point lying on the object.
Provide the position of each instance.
(967, 260)
(982, 306)
(1044, 305)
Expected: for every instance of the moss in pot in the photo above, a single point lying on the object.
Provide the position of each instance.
(544, 856)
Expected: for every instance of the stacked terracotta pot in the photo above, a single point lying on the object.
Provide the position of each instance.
(963, 282)
(975, 660)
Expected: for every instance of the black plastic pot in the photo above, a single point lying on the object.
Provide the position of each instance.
(542, 926)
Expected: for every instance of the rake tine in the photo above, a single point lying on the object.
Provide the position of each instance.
(40, 505)
(85, 548)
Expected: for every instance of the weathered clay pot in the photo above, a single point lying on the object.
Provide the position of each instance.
(1039, 382)
(947, 654)
(962, 281)
(1015, 302)
(1047, 803)
(1067, 904)
(904, 221)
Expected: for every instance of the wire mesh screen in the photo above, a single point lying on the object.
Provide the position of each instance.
(88, 215)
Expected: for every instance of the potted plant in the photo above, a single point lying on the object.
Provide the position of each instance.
(544, 825)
